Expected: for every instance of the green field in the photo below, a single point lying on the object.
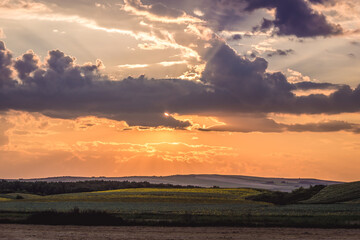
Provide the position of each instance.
(189, 206)
(338, 193)
(201, 200)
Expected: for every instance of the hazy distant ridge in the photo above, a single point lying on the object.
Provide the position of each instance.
(207, 180)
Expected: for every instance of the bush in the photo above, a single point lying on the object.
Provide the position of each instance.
(283, 198)
(19, 197)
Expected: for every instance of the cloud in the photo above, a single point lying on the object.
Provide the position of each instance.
(64, 89)
(316, 85)
(5, 67)
(351, 55)
(243, 84)
(158, 12)
(168, 63)
(280, 52)
(330, 126)
(223, 15)
(294, 17)
(324, 2)
(4, 126)
(262, 123)
(236, 37)
(230, 83)
(158, 9)
(28, 63)
(131, 66)
(2, 34)
(296, 77)
(163, 150)
(218, 15)
(247, 123)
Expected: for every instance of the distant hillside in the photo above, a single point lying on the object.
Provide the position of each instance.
(207, 180)
(346, 192)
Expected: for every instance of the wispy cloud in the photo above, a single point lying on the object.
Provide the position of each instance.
(131, 66)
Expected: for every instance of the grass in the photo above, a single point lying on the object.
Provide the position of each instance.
(196, 195)
(183, 207)
(337, 193)
(197, 200)
(93, 218)
(22, 195)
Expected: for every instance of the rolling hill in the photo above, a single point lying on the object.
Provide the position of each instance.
(346, 192)
(207, 180)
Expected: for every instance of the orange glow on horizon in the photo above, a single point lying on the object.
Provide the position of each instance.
(40, 146)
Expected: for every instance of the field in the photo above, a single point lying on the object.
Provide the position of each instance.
(175, 207)
(338, 193)
(15, 231)
(138, 200)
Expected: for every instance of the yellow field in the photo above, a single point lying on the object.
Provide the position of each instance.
(191, 195)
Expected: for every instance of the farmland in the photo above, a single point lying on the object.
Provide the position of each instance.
(337, 193)
(172, 206)
(15, 231)
(137, 200)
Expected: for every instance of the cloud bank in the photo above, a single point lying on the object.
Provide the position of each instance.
(294, 17)
(228, 82)
(59, 87)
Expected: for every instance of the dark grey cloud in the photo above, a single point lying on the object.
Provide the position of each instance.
(236, 37)
(261, 123)
(330, 126)
(323, 2)
(66, 90)
(245, 84)
(5, 67)
(316, 85)
(317, 1)
(230, 84)
(280, 52)
(242, 85)
(253, 54)
(26, 64)
(294, 17)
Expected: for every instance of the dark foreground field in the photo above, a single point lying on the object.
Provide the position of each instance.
(335, 206)
(16, 231)
(175, 207)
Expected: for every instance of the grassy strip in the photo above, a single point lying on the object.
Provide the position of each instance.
(102, 218)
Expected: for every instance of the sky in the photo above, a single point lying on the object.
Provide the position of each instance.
(160, 87)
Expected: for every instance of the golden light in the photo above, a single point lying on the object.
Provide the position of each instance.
(166, 114)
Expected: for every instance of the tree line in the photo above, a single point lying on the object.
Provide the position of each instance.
(50, 188)
(283, 198)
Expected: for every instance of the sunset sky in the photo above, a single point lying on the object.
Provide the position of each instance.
(162, 87)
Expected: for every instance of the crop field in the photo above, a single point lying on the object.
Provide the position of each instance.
(337, 193)
(196, 200)
(202, 206)
(195, 195)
